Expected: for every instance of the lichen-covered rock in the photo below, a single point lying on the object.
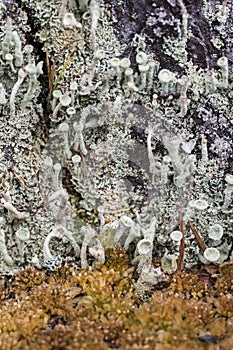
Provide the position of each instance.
(125, 141)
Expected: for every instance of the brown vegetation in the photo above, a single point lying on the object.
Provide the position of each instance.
(100, 309)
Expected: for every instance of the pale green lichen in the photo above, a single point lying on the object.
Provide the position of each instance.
(95, 174)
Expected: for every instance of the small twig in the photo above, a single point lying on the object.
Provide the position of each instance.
(52, 68)
(47, 61)
(197, 236)
(182, 247)
(62, 70)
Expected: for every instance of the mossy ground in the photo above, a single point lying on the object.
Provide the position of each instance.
(100, 309)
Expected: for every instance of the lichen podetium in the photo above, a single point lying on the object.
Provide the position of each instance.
(101, 148)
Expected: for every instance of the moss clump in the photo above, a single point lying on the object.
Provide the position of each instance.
(99, 308)
(224, 282)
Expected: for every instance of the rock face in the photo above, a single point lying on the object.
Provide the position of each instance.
(211, 30)
(116, 129)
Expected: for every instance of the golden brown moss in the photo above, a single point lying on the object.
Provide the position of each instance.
(224, 282)
(99, 309)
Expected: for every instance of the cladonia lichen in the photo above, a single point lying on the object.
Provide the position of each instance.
(111, 147)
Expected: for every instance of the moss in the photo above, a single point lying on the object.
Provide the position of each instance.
(99, 308)
(224, 281)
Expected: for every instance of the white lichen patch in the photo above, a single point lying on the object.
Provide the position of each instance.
(131, 148)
